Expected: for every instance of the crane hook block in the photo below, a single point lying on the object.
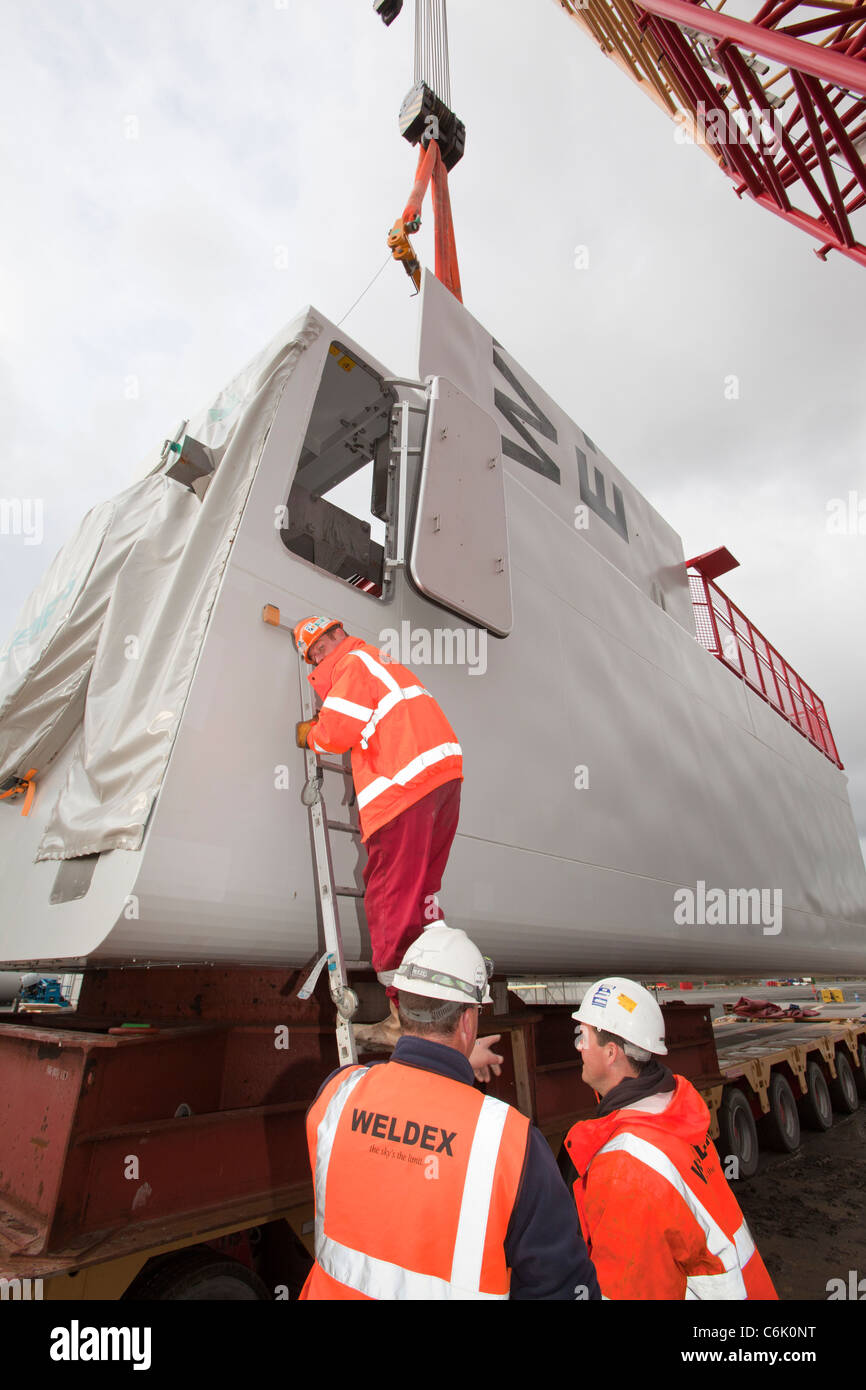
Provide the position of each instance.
(424, 117)
(387, 10)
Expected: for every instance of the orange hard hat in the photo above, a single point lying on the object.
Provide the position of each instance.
(308, 632)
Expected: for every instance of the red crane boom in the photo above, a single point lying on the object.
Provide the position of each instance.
(778, 100)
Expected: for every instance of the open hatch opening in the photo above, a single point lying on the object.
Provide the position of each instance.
(337, 507)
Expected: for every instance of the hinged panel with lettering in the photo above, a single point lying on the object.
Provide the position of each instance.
(459, 555)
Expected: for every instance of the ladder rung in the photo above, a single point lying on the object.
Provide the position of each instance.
(349, 892)
(334, 767)
(341, 825)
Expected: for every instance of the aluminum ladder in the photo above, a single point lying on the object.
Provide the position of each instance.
(328, 892)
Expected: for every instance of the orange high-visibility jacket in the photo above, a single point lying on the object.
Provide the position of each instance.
(655, 1207)
(402, 745)
(416, 1176)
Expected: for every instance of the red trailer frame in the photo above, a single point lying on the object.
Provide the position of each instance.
(116, 1147)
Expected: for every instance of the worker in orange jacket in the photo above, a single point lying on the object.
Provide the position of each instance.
(407, 767)
(655, 1208)
(427, 1189)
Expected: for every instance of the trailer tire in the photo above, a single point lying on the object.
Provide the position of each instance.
(779, 1129)
(843, 1090)
(816, 1107)
(197, 1275)
(738, 1136)
(860, 1073)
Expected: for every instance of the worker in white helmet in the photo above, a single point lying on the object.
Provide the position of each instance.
(655, 1207)
(426, 1188)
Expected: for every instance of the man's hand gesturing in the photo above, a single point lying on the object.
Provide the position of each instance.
(483, 1060)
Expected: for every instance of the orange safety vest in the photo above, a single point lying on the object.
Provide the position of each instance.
(656, 1210)
(402, 745)
(416, 1176)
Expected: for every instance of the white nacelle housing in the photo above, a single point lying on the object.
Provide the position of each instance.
(612, 765)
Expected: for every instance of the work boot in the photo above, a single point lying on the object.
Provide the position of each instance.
(379, 1037)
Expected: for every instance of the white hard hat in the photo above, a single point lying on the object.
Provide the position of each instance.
(627, 1009)
(444, 964)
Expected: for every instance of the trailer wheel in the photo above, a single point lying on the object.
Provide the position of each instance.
(860, 1073)
(843, 1091)
(779, 1129)
(197, 1275)
(816, 1108)
(738, 1136)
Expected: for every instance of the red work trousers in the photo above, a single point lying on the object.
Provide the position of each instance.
(405, 862)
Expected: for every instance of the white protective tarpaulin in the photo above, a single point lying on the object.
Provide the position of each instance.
(115, 628)
(45, 664)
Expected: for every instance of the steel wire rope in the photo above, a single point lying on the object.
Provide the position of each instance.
(364, 291)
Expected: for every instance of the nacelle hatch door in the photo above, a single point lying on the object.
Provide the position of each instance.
(459, 551)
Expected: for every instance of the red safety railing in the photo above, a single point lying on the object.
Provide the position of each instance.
(726, 632)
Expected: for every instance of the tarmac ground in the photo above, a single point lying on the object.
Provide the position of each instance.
(807, 1211)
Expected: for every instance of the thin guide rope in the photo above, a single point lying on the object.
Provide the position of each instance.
(363, 292)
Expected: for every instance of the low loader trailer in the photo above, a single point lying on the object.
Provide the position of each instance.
(153, 1144)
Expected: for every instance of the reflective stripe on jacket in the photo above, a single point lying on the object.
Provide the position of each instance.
(658, 1215)
(402, 745)
(416, 1177)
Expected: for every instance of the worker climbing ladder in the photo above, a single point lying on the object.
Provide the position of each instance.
(327, 891)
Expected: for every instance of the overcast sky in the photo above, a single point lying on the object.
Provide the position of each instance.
(180, 178)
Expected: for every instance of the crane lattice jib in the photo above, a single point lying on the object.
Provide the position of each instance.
(778, 100)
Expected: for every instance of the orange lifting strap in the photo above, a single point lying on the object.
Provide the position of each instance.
(429, 164)
(27, 785)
